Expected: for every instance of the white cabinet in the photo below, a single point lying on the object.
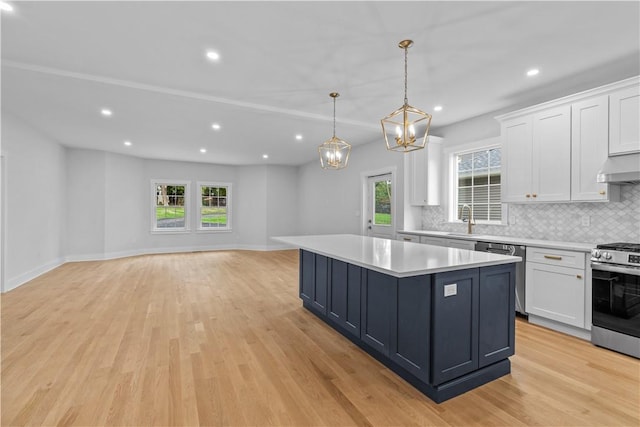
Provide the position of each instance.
(448, 242)
(552, 152)
(537, 148)
(624, 121)
(423, 167)
(408, 237)
(556, 285)
(589, 130)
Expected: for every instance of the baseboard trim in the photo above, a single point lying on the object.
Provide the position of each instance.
(560, 327)
(23, 278)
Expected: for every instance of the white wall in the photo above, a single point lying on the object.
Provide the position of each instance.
(282, 202)
(35, 202)
(331, 200)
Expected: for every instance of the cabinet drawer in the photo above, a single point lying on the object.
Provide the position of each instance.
(435, 241)
(408, 238)
(556, 257)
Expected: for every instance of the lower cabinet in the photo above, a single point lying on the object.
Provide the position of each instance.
(435, 328)
(343, 305)
(556, 285)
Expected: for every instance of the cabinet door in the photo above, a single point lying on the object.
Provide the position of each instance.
(423, 174)
(589, 148)
(319, 299)
(624, 121)
(410, 325)
(551, 157)
(343, 305)
(461, 244)
(435, 241)
(555, 293)
(307, 276)
(516, 166)
(376, 310)
(496, 315)
(408, 238)
(455, 325)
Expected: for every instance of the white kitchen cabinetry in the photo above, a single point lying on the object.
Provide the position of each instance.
(589, 128)
(537, 151)
(448, 242)
(423, 167)
(555, 285)
(552, 152)
(408, 237)
(624, 121)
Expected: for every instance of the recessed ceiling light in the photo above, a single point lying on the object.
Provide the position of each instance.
(533, 72)
(127, 143)
(299, 137)
(212, 55)
(203, 150)
(215, 126)
(437, 108)
(106, 112)
(265, 156)
(5, 7)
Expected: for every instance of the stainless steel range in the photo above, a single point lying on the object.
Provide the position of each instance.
(616, 297)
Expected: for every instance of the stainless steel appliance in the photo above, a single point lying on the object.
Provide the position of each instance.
(513, 250)
(615, 271)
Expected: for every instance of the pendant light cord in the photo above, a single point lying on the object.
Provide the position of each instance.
(405, 76)
(334, 116)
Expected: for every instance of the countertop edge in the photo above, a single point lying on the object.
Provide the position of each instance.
(572, 246)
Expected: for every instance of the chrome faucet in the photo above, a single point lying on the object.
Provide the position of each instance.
(470, 222)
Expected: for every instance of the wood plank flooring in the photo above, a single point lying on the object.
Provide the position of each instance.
(220, 338)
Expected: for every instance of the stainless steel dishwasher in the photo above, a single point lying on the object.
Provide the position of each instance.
(513, 250)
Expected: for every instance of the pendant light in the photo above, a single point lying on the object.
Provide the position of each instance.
(334, 153)
(407, 128)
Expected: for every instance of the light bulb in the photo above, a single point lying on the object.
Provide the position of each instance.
(412, 130)
(398, 132)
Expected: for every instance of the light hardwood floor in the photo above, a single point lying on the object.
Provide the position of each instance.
(219, 338)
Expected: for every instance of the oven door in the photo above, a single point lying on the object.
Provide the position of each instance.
(616, 298)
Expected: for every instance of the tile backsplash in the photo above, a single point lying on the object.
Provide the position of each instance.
(608, 222)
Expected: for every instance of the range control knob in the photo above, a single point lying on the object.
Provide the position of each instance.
(595, 253)
(606, 255)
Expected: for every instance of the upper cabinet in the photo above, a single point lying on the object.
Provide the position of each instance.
(537, 156)
(624, 129)
(552, 152)
(423, 173)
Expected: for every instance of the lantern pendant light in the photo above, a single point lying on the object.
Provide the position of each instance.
(407, 128)
(334, 153)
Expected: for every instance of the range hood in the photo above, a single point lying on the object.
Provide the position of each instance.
(623, 169)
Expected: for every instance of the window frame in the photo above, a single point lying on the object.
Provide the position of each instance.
(187, 209)
(229, 187)
(452, 205)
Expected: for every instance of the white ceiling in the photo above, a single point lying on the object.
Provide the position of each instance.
(64, 61)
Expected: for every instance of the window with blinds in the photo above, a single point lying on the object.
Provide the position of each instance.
(478, 184)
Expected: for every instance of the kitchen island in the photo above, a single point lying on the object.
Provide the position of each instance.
(441, 318)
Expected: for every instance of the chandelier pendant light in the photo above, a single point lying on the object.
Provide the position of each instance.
(334, 153)
(407, 128)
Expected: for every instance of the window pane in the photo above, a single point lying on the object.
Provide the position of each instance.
(478, 184)
(382, 204)
(170, 206)
(213, 212)
(465, 162)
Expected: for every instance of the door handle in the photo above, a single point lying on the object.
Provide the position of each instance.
(557, 258)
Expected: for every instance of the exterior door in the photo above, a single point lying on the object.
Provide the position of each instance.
(380, 206)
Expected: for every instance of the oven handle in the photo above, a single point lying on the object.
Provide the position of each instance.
(634, 271)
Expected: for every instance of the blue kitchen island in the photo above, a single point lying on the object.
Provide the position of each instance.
(441, 318)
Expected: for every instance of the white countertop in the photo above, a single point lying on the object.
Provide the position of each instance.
(394, 257)
(572, 246)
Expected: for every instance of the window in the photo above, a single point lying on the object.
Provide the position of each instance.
(477, 184)
(214, 206)
(170, 203)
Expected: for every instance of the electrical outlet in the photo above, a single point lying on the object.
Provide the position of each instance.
(450, 290)
(586, 220)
